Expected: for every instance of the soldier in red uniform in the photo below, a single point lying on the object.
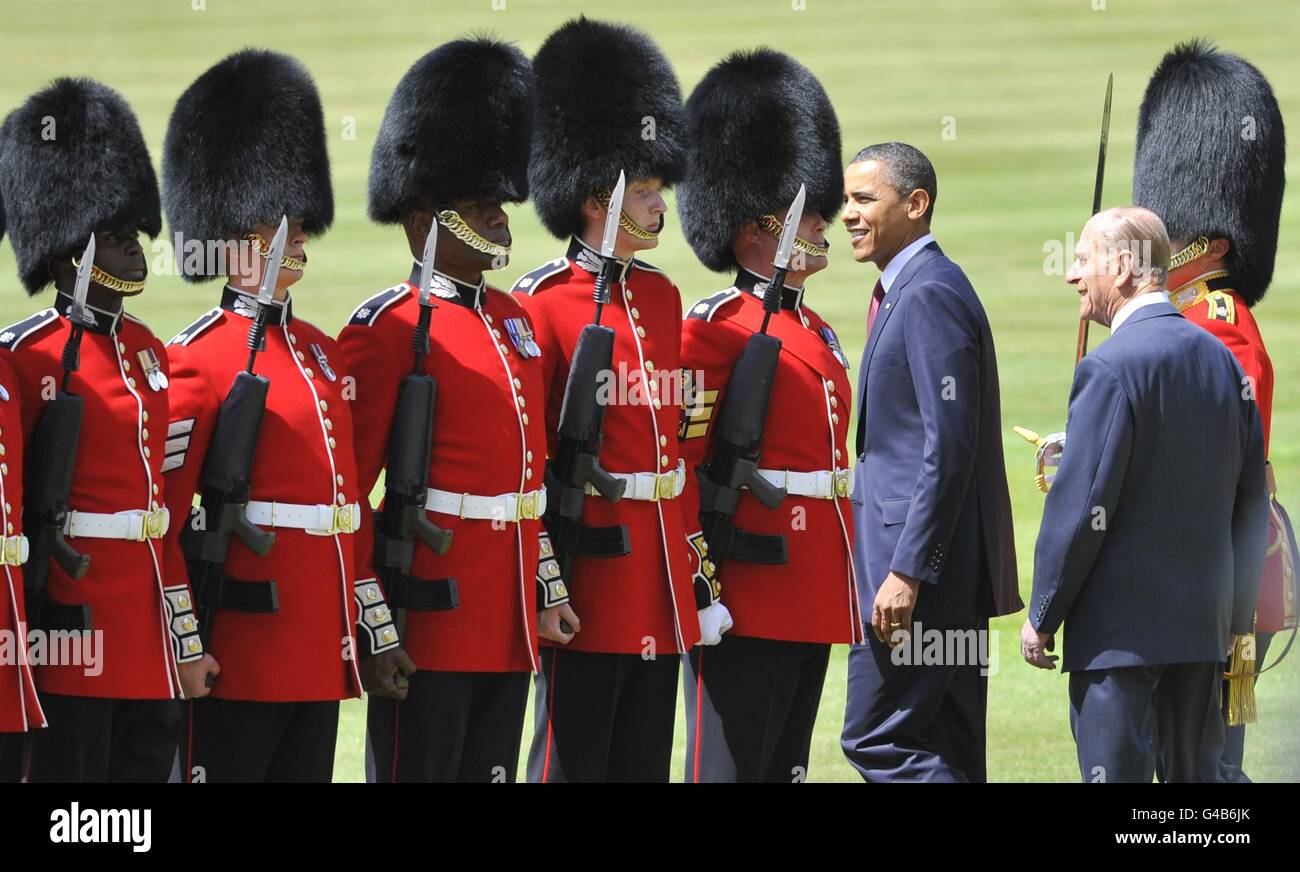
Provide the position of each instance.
(1211, 156)
(760, 125)
(74, 164)
(608, 102)
(245, 146)
(452, 149)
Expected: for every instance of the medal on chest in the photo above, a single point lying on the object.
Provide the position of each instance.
(319, 354)
(152, 369)
(833, 343)
(521, 334)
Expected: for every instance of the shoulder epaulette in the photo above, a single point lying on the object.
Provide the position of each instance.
(708, 307)
(368, 312)
(14, 334)
(1222, 307)
(530, 281)
(206, 320)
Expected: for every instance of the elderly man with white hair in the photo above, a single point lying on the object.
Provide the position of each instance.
(1154, 570)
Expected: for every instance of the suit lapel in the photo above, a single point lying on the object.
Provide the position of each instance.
(920, 259)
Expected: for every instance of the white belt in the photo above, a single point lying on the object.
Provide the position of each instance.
(317, 520)
(135, 525)
(13, 550)
(824, 484)
(651, 486)
(506, 507)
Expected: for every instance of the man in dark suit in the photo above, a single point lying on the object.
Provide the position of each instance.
(932, 515)
(1154, 569)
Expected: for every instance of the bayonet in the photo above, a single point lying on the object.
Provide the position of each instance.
(1082, 348)
(781, 263)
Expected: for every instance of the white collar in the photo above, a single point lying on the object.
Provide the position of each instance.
(1149, 298)
(890, 273)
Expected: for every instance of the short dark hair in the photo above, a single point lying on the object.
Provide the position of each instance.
(907, 168)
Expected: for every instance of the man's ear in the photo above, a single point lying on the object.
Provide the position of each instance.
(592, 208)
(1124, 267)
(417, 223)
(1219, 248)
(918, 203)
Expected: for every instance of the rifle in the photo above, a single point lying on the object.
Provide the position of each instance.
(47, 477)
(577, 457)
(227, 479)
(403, 519)
(738, 435)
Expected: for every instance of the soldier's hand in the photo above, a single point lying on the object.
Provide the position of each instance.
(1034, 645)
(714, 621)
(548, 623)
(194, 676)
(892, 609)
(385, 674)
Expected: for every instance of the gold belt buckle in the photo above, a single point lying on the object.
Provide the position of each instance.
(528, 506)
(841, 482)
(343, 519)
(155, 524)
(12, 553)
(665, 486)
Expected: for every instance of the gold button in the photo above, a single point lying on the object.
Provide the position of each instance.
(834, 402)
(183, 601)
(663, 460)
(830, 386)
(4, 469)
(496, 333)
(525, 417)
(8, 507)
(649, 366)
(835, 419)
(837, 454)
(503, 348)
(126, 366)
(146, 451)
(654, 386)
(155, 487)
(300, 355)
(518, 384)
(309, 373)
(144, 416)
(121, 347)
(528, 473)
(488, 317)
(635, 314)
(521, 402)
(343, 501)
(292, 339)
(640, 331)
(193, 645)
(628, 294)
(329, 425)
(131, 382)
(338, 479)
(331, 442)
(2, 449)
(528, 455)
(9, 528)
(144, 433)
(324, 406)
(658, 405)
(154, 505)
(663, 440)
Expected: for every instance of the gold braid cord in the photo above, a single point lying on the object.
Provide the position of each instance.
(626, 223)
(773, 225)
(1194, 250)
(451, 219)
(262, 247)
(112, 282)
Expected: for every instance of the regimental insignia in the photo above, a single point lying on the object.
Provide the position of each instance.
(319, 354)
(833, 343)
(589, 261)
(178, 443)
(521, 334)
(706, 572)
(441, 286)
(708, 307)
(697, 410)
(1221, 307)
(152, 369)
(245, 307)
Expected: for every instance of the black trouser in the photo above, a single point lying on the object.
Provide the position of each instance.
(603, 717)
(1114, 713)
(750, 708)
(91, 739)
(243, 741)
(1234, 742)
(916, 722)
(13, 756)
(453, 727)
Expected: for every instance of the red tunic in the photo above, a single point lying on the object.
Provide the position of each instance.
(19, 708)
(643, 601)
(812, 598)
(488, 440)
(118, 468)
(308, 649)
(1211, 301)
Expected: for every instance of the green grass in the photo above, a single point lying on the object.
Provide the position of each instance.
(1022, 82)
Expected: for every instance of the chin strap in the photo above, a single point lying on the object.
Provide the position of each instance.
(1194, 249)
(262, 247)
(112, 282)
(451, 219)
(773, 225)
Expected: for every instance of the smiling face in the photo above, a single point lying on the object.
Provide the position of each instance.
(881, 221)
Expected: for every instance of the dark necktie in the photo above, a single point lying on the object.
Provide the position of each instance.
(877, 295)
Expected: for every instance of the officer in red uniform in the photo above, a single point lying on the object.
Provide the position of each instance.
(608, 102)
(245, 146)
(452, 149)
(760, 125)
(112, 710)
(1211, 156)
